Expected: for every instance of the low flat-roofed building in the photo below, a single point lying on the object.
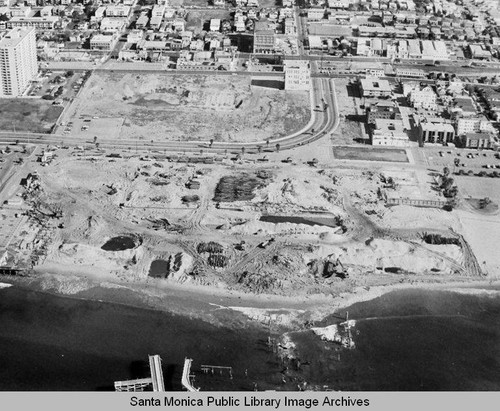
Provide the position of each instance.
(103, 41)
(412, 73)
(155, 22)
(214, 24)
(142, 21)
(479, 52)
(477, 140)
(315, 14)
(46, 11)
(134, 36)
(389, 133)
(382, 109)
(118, 10)
(414, 51)
(374, 87)
(465, 105)
(315, 43)
(113, 24)
(37, 22)
(152, 45)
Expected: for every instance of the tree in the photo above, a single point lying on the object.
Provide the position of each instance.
(456, 162)
(211, 142)
(451, 192)
(277, 147)
(446, 183)
(446, 171)
(259, 149)
(242, 151)
(95, 139)
(267, 142)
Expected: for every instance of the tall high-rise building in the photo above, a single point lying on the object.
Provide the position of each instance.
(18, 62)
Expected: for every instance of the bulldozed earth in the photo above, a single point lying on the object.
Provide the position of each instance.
(290, 232)
(167, 107)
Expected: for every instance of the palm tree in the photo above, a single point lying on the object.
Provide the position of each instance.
(277, 147)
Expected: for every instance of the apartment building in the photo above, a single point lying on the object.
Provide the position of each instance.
(297, 75)
(436, 132)
(18, 61)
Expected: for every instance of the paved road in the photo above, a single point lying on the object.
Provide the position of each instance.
(322, 123)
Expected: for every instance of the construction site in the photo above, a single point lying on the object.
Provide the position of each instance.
(237, 225)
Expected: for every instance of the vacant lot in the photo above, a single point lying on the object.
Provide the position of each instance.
(194, 107)
(370, 154)
(31, 115)
(198, 20)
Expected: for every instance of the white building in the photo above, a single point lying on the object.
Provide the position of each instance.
(158, 11)
(134, 36)
(420, 98)
(315, 14)
(214, 24)
(478, 124)
(103, 41)
(113, 24)
(37, 22)
(390, 132)
(18, 61)
(118, 11)
(297, 75)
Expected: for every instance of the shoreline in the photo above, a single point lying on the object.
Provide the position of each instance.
(226, 307)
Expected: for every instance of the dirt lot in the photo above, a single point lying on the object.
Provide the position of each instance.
(370, 154)
(352, 127)
(195, 107)
(32, 115)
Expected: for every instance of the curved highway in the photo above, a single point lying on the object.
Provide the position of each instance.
(323, 122)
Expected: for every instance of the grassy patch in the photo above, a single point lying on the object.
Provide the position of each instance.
(370, 154)
(28, 115)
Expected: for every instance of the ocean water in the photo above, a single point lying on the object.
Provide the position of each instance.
(412, 340)
(49, 342)
(405, 340)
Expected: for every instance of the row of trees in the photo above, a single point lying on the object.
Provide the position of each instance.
(448, 186)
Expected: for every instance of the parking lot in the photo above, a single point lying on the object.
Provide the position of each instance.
(466, 159)
(57, 85)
